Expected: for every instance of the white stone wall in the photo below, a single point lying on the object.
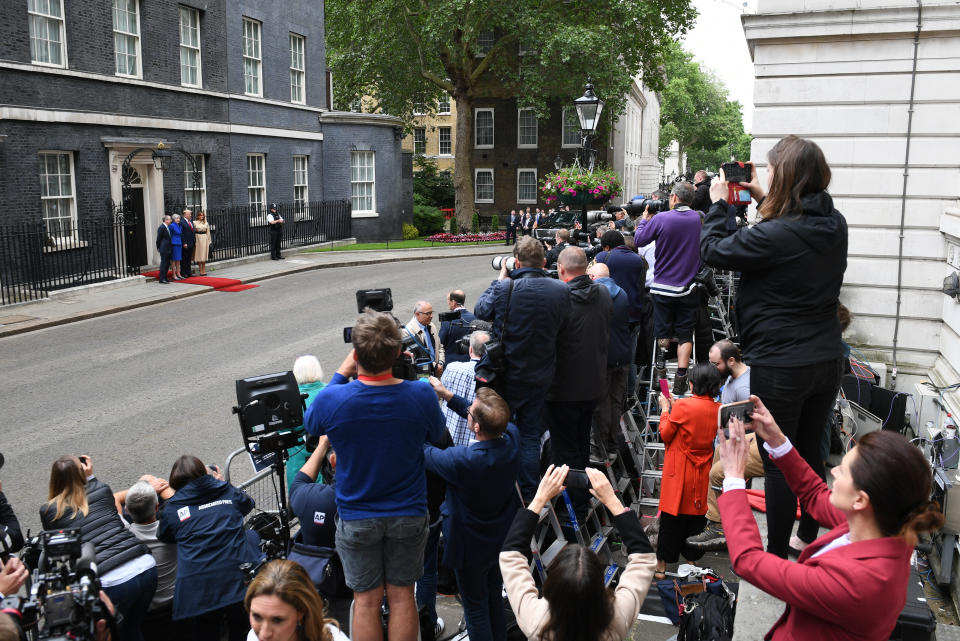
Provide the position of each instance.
(635, 141)
(839, 72)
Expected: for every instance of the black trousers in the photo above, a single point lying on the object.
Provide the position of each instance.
(275, 239)
(569, 425)
(672, 540)
(511, 233)
(164, 266)
(186, 259)
(800, 400)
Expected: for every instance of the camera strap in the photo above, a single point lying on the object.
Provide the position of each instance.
(415, 340)
(506, 314)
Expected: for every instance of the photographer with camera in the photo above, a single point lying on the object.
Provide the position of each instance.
(142, 504)
(378, 424)
(453, 330)
(527, 309)
(701, 198)
(561, 240)
(460, 379)
(578, 381)
(126, 569)
(792, 264)
(481, 501)
(675, 299)
(425, 335)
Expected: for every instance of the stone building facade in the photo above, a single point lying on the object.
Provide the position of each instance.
(514, 150)
(241, 86)
(875, 84)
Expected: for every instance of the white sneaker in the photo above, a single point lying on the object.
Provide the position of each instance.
(797, 545)
(438, 628)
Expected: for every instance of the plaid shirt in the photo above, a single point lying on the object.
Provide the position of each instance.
(458, 378)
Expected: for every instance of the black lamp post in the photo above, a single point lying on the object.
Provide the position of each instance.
(589, 107)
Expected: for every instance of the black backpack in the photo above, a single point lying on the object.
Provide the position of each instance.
(706, 617)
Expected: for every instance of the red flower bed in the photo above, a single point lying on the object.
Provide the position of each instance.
(467, 238)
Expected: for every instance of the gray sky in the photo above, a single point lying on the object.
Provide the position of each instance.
(717, 42)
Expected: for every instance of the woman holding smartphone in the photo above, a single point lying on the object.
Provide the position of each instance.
(791, 265)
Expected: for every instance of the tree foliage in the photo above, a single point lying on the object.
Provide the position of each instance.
(695, 111)
(405, 53)
(430, 185)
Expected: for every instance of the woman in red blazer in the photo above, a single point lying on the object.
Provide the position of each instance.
(688, 427)
(851, 583)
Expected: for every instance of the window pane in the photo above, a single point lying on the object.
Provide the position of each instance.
(484, 127)
(527, 186)
(445, 142)
(483, 189)
(527, 129)
(362, 180)
(420, 141)
(56, 193)
(571, 127)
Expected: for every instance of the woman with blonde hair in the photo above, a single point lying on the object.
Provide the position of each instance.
(202, 250)
(284, 606)
(127, 570)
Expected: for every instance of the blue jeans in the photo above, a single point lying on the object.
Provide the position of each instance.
(800, 399)
(132, 599)
(528, 409)
(480, 585)
(427, 584)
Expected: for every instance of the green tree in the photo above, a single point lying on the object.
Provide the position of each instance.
(695, 111)
(406, 53)
(430, 185)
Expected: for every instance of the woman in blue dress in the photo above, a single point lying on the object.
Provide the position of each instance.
(176, 240)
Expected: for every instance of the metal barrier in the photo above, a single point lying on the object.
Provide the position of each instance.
(261, 487)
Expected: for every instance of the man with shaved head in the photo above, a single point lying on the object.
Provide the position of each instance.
(578, 381)
(425, 334)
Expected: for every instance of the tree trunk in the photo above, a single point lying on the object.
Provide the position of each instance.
(463, 163)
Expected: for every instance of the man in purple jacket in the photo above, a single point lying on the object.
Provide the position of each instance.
(673, 290)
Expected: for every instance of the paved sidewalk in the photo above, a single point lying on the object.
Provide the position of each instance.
(100, 299)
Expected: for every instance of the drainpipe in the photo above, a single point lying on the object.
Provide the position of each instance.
(903, 194)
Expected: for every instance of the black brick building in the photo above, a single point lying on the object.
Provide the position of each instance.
(239, 84)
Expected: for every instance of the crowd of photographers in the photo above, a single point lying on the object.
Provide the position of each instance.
(404, 460)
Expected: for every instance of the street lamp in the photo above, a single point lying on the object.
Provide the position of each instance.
(558, 162)
(589, 107)
(161, 157)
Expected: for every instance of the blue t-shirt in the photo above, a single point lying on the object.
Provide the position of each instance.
(378, 432)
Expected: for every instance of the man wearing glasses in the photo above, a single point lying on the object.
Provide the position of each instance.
(425, 334)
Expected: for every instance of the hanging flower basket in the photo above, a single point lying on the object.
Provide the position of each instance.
(573, 186)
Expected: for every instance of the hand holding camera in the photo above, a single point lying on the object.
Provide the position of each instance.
(603, 491)
(86, 463)
(550, 485)
(734, 449)
(764, 424)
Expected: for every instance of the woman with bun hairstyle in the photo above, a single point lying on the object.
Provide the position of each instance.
(791, 266)
(851, 583)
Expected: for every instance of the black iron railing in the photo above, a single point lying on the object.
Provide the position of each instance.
(242, 230)
(34, 262)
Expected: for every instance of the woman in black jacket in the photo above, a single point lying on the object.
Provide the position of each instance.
(791, 265)
(127, 570)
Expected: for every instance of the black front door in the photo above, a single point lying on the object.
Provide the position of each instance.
(136, 230)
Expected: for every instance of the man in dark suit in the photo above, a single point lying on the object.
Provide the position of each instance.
(189, 236)
(513, 222)
(452, 331)
(165, 247)
(480, 505)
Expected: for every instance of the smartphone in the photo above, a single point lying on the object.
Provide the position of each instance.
(741, 409)
(577, 479)
(83, 459)
(665, 387)
(737, 172)
(212, 468)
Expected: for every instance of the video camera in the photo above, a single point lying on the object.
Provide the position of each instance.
(463, 343)
(736, 173)
(271, 412)
(64, 601)
(414, 361)
(636, 206)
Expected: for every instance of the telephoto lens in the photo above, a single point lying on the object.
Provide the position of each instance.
(497, 262)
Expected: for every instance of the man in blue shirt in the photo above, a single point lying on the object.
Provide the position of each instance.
(378, 424)
(480, 505)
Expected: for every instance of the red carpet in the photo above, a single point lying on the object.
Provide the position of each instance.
(758, 501)
(236, 288)
(220, 284)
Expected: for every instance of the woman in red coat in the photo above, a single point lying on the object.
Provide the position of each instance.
(687, 427)
(851, 583)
